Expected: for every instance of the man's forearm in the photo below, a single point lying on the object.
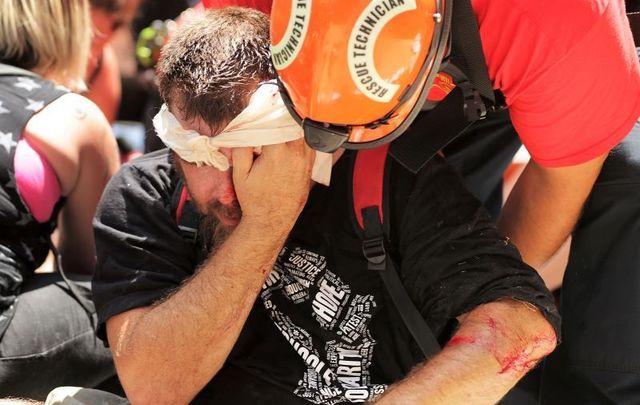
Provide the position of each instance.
(169, 351)
(495, 346)
(544, 206)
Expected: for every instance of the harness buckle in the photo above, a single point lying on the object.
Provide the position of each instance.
(474, 107)
(188, 233)
(373, 250)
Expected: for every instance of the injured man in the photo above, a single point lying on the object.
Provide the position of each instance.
(229, 269)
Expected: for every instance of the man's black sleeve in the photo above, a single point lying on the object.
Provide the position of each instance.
(454, 259)
(141, 255)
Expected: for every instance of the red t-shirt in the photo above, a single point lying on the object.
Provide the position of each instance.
(569, 72)
(262, 5)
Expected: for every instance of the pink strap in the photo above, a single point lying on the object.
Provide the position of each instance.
(36, 181)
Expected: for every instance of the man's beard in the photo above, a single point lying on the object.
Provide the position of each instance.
(213, 232)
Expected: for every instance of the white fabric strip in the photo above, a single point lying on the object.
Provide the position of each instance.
(265, 121)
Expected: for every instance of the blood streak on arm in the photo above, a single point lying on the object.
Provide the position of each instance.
(513, 351)
(461, 340)
(524, 358)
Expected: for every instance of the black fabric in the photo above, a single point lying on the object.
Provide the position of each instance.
(51, 341)
(482, 153)
(248, 388)
(380, 262)
(137, 236)
(633, 13)
(599, 361)
(321, 324)
(430, 132)
(413, 320)
(24, 242)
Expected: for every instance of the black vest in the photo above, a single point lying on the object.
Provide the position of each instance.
(24, 243)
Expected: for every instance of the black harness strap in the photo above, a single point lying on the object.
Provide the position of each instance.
(384, 265)
(368, 173)
(86, 303)
(466, 48)
(467, 103)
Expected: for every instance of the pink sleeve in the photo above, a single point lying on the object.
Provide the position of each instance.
(569, 72)
(36, 181)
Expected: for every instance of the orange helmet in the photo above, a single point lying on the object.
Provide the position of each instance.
(354, 74)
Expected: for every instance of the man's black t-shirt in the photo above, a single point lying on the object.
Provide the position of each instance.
(322, 327)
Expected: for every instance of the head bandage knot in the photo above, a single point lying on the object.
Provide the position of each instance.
(265, 121)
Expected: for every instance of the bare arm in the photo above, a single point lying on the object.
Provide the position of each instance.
(168, 352)
(496, 344)
(77, 141)
(544, 207)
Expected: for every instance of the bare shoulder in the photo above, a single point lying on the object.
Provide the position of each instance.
(71, 121)
(72, 131)
(73, 117)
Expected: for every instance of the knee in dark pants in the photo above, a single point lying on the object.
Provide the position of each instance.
(50, 342)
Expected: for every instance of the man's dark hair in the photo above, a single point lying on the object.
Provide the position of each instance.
(210, 65)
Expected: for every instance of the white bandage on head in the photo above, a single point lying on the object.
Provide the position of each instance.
(265, 121)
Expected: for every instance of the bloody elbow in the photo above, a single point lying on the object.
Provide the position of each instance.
(514, 334)
(532, 348)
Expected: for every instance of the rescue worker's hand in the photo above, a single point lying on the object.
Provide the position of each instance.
(273, 187)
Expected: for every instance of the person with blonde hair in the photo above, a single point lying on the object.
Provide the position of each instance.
(56, 156)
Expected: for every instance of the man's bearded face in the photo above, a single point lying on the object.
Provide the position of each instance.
(228, 215)
(211, 190)
(213, 233)
(212, 194)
